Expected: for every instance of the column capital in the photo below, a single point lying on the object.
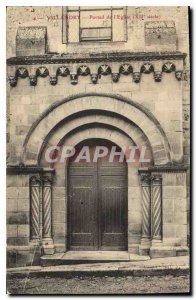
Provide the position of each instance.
(156, 179)
(145, 179)
(35, 180)
(47, 179)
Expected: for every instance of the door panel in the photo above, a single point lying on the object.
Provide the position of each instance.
(82, 215)
(97, 206)
(113, 210)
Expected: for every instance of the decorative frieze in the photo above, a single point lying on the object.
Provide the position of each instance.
(83, 70)
(115, 71)
(42, 71)
(62, 71)
(178, 75)
(13, 81)
(136, 77)
(157, 76)
(94, 78)
(33, 80)
(115, 77)
(74, 78)
(104, 70)
(53, 79)
(67, 58)
(168, 67)
(22, 72)
(147, 68)
(125, 69)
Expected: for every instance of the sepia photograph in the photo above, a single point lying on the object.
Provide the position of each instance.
(98, 150)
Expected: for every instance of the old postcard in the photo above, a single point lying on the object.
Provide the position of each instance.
(98, 150)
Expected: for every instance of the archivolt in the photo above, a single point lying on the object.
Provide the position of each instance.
(89, 120)
(110, 104)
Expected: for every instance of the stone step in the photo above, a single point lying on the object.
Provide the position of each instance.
(85, 257)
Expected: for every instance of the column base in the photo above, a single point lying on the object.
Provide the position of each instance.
(48, 246)
(167, 251)
(35, 242)
(144, 248)
(157, 242)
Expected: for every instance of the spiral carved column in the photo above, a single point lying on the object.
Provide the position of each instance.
(35, 185)
(146, 215)
(47, 242)
(156, 208)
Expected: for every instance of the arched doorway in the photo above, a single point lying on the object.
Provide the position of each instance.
(97, 201)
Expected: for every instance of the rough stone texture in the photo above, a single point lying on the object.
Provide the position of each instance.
(167, 100)
(31, 41)
(161, 33)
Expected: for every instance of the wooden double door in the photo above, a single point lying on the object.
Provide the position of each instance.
(97, 205)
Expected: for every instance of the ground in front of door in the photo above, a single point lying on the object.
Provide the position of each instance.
(100, 285)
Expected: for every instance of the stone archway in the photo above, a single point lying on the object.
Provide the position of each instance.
(110, 104)
(60, 185)
(122, 122)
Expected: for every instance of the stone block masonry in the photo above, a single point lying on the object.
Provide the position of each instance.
(131, 89)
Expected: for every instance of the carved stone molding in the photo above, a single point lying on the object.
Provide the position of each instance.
(22, 72)
(47, 242)
(145, 179)
(42, 71)
(35, 185)
(13, 81)
(74, 78)
(83, 70)
(156, 179)
(179, 75)
(40, 208)
(136, 77)
(95, 57)
(156, 207)
(125, 69)
(28, 169)
(94, 78)
(115, 77)
(168, 67)
(33, 80)
(104, 69)
(53, 79)
(147, 68)
(157, 76)
(62, 71)
(146, 214)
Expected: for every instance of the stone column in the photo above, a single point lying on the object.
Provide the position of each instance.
(146, 215)
(47, 242)
(35, 184)
(156, 207)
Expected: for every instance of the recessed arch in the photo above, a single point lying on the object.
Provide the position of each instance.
(110, 103)
(95, 131)
(89, 120)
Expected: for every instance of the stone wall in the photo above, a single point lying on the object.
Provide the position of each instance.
(168, 100)
(51, 17)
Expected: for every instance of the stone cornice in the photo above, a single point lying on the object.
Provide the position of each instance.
(30, 169)
(95, 57)
(162, 169)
